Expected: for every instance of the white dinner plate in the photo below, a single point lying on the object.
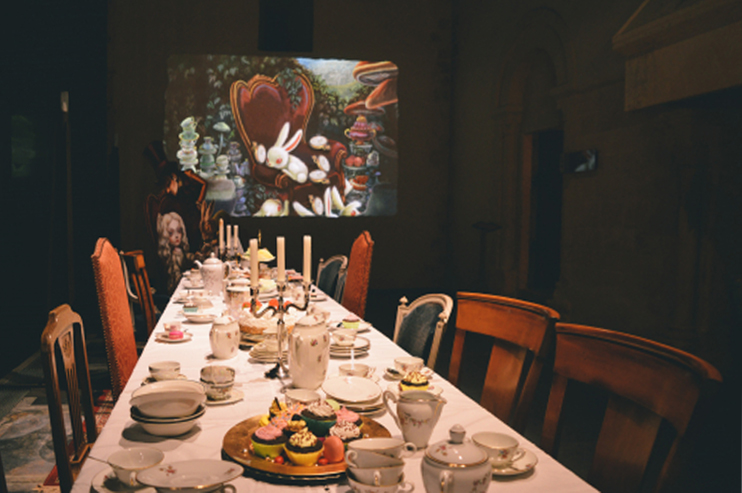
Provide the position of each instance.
(107, 482)
(190, 475)
(520, 466)
(351, 389)
(163, 337)
(235, 396)
(433, 389)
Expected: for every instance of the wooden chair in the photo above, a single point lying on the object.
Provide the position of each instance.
(118, 328)
(359, 272)
(648, 383)
(135, 272)
(331, 275)
(522, 336)
(420, 325)
(66, 366)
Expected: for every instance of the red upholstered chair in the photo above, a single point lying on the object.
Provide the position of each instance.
(118, 327)
(650, 387)
(260, 108)
(359, 271)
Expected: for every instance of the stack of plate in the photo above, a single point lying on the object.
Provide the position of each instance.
(266, 352)
(358, 394)
(358, 349)
(168, 407)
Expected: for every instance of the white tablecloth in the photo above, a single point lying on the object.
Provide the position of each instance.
(205, 442)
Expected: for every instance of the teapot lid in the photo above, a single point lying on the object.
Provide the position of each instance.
(456, 451)
(212, 260)
(224, 320)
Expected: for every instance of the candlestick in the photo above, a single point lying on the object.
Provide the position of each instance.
(254, 268)
(280, 252)
(307, 272)
(221, 235)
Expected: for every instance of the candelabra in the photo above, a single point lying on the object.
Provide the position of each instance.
(280, 370)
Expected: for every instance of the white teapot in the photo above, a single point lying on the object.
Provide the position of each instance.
(224, 337)
(309, 351)
(213, 272)
(456, 465)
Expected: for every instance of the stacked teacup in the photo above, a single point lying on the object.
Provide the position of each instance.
(375, 465)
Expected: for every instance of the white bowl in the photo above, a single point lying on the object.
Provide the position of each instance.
(169, 429)
(164, 370)
(137, 416)
(169, 398)
(127, 462)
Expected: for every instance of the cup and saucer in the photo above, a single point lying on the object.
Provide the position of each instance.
(506, 456)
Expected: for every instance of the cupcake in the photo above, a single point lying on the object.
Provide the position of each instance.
(268, 441)
(276, 408)
(345, 431)
(320, 417)
(414, 381)
(303, 448)
(351, 321)
(294, 426)
(345, 414)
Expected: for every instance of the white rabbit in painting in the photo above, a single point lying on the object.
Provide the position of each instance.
(279, 157)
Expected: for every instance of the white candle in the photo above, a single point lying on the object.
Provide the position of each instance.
(236, 242)
(221, 235)
(254, 268)
(307, 273)
(280, 253)
(229, 236)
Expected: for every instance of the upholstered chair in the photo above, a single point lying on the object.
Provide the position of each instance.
(359, 272)
(331, 275)
(118, 328)
(421, 324)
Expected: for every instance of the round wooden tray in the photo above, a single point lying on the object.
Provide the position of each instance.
(236, 446)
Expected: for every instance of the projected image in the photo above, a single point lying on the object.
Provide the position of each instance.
(286, 136)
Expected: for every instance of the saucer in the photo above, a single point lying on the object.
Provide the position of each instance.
(107, 482)
(151, 379)
(433, 389)
(235, 396)
(200, 318)
(520, 466)
(163, 337)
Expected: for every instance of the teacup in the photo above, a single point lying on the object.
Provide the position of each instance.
(502, 449)
(367, 459)
(127, 462)
(391, 447)
(356, 370)
(401, 486)
(164, 370)
(406, 364)
(344, 337)
(378, 476)
(217, 381)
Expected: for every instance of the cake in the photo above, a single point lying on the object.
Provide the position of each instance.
(346, 431)
(303, 448)
(414, 381)
(268, 441)
(320, 417)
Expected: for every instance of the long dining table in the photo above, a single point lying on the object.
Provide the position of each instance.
(205, 440)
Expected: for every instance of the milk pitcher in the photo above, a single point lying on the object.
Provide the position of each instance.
(416, 415)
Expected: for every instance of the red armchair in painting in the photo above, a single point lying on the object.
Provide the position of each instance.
(272, 124)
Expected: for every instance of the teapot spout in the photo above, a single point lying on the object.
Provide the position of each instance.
(198, 263)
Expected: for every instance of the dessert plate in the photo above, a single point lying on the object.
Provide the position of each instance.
(190, 475)
(151, 379)
(107, 482)
(235, 396)
(359, 344)
(520, 466)
(433, 389)
(351, 389)
(163, 337)
(200, 318)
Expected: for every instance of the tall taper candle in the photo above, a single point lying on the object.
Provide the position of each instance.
(236, 242)
(229, 236)
(280, 253)
(254, 267)
(221, 235)
(307, 273)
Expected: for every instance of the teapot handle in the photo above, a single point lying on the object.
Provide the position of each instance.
(445, 478)
(391, 396)
(229, 270)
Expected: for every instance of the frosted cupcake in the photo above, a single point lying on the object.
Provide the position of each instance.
(268, 441)
(303, 448)
(345, 414)
(345, 431)
(414, 381)
(320, 417)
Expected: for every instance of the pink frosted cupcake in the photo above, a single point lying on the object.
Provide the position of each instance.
(345, 414)
(268, 441)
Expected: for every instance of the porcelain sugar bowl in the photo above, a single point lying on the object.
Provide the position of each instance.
(224, 337)
(456, 465)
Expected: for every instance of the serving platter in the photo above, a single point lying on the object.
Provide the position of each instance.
(235, 446)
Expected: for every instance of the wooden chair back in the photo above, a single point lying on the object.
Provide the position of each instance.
(522, 336)
(647, 383)
(359, 272)
(136, 274)
(420, 325)
(331, 275)
(65, 363)
(118, 327)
